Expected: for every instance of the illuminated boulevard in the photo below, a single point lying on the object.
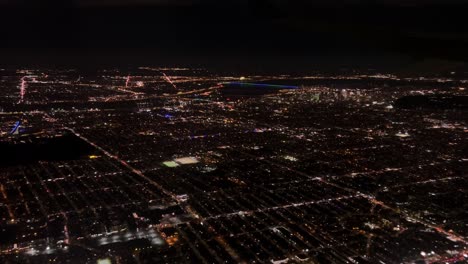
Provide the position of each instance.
(186, 165)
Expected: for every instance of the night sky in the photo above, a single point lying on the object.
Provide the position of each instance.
(157, 29)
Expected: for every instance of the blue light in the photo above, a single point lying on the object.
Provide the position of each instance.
(17, 124)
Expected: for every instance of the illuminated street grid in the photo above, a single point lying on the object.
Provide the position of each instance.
(181, 171)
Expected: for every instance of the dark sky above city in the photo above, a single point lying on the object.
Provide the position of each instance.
(208, 28)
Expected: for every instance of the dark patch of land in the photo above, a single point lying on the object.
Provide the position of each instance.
(31, 150)
(439, 101)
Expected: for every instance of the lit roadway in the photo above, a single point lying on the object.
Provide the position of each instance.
(353, 193)
(159, 187)
(125, 164)
(450, 235)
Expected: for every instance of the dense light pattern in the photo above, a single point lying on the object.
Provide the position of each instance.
(261, 85)
(127, 81)
(169, 80)
(23, 87)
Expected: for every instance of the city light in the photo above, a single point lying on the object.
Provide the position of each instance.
(322, 168)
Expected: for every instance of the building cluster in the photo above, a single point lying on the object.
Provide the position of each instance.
(172, 169)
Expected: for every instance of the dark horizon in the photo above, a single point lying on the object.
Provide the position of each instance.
(204, 29)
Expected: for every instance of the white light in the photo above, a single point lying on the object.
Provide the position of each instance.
(104, 261)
